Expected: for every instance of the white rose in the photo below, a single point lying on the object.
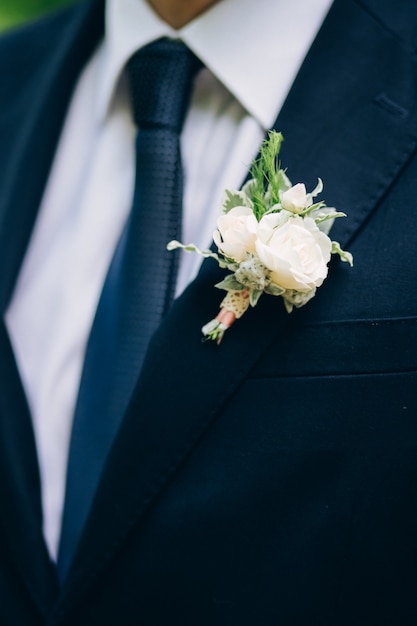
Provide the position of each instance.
(295, 198)
(236, 233)
(294, 250)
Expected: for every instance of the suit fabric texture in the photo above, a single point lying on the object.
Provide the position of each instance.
(271, 480)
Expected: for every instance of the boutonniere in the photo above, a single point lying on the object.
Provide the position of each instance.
(273, 239)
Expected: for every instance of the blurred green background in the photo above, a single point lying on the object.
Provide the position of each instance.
(13, 12)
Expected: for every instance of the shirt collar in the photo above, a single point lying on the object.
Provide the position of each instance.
(239, 41)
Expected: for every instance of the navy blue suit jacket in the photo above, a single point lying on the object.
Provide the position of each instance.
(271, 480)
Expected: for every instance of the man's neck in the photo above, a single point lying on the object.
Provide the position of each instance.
(177, 13)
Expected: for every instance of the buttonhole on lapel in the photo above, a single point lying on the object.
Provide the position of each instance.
(389, 105)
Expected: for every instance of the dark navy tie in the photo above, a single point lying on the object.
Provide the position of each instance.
(141, 280)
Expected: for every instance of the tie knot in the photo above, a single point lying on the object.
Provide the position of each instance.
(161, 76)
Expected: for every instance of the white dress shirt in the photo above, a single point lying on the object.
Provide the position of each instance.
(252, 51)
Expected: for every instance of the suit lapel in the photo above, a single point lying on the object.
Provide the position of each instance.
(19, 485)
(33, 109)
(341, 115)
(168, 414)
(337, 122)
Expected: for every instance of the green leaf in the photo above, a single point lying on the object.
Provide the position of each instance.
(225, 263)
(248, 189)
(316, 191)
(254, 296)
(230, 283)
(323, 217)
(313, 207)
(235, 198)
(274, 290)
(191, 247)
(283, 182)
(343, 254)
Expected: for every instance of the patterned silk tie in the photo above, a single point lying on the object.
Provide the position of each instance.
(141, 280)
